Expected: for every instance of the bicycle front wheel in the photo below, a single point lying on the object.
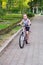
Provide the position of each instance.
(21, 41)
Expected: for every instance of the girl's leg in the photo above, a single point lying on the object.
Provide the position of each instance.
(27, 36)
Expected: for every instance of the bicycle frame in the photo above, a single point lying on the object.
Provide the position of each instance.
(23, 31)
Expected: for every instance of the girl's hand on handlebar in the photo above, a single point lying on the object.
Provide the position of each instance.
(19, 24)
(30, 24)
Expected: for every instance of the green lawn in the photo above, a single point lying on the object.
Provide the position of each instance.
(3, 26)
(7, 23)
(6, 36)
(14, 30)
(9, 19)
(17, 28)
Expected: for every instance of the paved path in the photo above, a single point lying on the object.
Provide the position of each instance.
(31, 54)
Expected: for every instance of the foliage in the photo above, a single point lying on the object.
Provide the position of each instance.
(8, 25)
(35, 3)
(15, 6)
(30, 14)
(2, 12)
(12, 16)
(9, 19)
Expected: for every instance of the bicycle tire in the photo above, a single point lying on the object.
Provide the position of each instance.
(21, 41)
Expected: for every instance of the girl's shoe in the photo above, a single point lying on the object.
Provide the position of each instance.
(27, 42)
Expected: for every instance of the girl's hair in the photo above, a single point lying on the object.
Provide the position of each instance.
(24, 14)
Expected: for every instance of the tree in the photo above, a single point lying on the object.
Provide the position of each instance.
(35, 3)
(20, 4)
(10, 4)
(0, 3)
(1, 11)
(23, 5)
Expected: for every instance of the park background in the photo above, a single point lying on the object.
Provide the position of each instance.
(11, 12)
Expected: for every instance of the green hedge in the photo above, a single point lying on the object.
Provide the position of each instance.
(6, 23)
(2, 12)
(12, 16)
(30, 14)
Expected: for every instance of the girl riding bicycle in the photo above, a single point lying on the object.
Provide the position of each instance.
(26, 22)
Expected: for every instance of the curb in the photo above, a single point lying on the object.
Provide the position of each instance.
(8, 41)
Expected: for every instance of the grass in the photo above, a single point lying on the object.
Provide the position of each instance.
(3, 26)
(7, 23)
(14, 15)
(11, 16)
(9, 19)
(6, 36)
(17, 28)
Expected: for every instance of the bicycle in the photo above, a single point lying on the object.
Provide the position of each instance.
(22, 38)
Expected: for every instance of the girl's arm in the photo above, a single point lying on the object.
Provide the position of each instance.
(29, 22)
(21, 22)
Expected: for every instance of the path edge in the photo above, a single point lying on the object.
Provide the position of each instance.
(9, 40)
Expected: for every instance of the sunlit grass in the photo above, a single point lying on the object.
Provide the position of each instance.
(3, 26)
(7, 23)
(6, 36)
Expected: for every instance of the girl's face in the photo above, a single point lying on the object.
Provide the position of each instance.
(25, 17)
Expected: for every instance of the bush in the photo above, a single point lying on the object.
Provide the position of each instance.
(12, 16)
(2, 12)
(30, 14)
(42, 13)
(15, 10)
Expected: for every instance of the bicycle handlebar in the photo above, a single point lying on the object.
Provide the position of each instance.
(23, 25)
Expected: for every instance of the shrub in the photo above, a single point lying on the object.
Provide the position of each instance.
(12, 16)
(30, 14)
(42, 13)
(2, 12)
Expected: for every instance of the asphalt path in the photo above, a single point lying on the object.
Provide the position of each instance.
(31, 54)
